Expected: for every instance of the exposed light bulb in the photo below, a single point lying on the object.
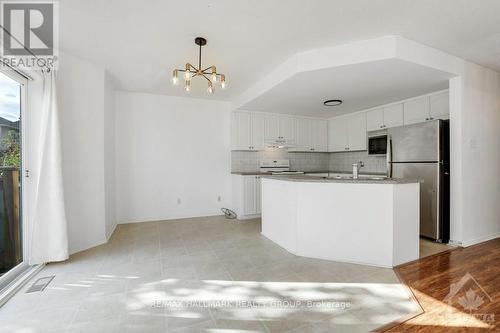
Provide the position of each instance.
(175, 77)
(187, 73)
(187, 86)
(223, 81)
(210, 89)
(214, 74)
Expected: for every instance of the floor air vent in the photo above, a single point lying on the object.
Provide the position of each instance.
(40, 284)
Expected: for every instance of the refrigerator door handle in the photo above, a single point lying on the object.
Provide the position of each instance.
(389, 157)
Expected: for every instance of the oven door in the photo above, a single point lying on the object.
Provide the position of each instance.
(377, 145)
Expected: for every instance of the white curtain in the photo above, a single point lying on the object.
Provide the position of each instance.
(48, 228)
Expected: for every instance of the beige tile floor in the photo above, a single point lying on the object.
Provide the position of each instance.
(205, 275)
(429, 248)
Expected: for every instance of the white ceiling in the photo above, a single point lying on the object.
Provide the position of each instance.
(359, 86)
(140, 42)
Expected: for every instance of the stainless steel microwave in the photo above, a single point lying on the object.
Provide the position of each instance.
(377, 145)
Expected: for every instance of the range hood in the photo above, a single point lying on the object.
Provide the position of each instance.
(279, 144)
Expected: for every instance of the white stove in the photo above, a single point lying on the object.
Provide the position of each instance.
(277, 167)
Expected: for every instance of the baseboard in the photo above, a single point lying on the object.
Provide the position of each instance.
(248, 217)
(169, 218)
(454, 243)
(108, 236)
(475, 241)
(87, 246)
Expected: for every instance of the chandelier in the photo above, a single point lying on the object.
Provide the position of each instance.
(190, 71)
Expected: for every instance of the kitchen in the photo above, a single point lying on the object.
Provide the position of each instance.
(376, 143)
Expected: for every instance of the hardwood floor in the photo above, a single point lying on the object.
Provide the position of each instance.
(459, 290)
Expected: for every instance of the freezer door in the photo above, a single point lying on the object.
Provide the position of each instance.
(416, 143)
(429, 173)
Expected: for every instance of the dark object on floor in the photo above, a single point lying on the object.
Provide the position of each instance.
(228, 213)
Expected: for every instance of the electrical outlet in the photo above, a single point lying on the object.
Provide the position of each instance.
(178, 201)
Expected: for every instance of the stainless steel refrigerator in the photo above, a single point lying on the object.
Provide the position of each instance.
(422, 151)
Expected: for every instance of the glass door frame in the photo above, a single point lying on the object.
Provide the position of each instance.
(17, 271)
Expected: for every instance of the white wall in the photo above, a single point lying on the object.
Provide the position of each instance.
(109, 155)
(170, 148)
(477, 148)
(80, 87)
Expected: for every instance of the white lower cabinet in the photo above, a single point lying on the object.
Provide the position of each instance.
(247, 196)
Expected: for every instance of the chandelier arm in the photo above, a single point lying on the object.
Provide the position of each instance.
(192, 67)
(183, 70)
(206, 78)
(206, 69)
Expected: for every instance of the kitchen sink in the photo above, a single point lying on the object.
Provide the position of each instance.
(360, 177)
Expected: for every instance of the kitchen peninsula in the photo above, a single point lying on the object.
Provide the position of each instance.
(370, 221)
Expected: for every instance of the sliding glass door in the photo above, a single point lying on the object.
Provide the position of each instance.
(12, 226)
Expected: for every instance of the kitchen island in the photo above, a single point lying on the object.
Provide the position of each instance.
(372, 221)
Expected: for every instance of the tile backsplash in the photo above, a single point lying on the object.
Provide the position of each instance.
(343, 162)
(246, 161)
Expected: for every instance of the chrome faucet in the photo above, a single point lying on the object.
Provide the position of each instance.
(355, 169)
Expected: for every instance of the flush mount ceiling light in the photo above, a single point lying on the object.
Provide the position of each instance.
(190, 71)
(332, 102)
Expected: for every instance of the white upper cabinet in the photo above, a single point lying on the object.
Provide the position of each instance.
(417, 110)
(257, 132)
(241, 131)
(375, 120)
(303, 135)
(357, 131)
(279, 129)
(338, 138)
(389, 116)
(287, 129)
(247, 131)
(311, 135)
(435, 106)
(347, 133)
(272, 128)
(440, 105)
(319, 135)
(393, 115)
